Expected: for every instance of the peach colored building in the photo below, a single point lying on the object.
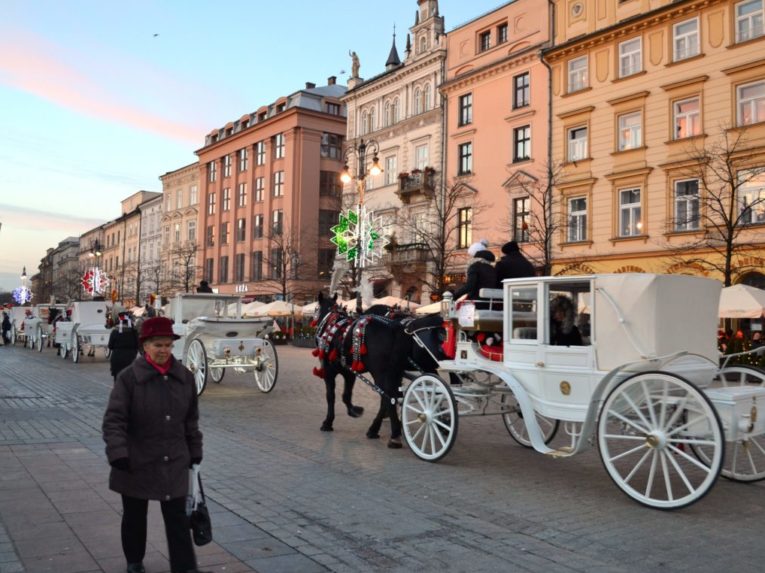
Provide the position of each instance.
(497, 97)
(177, 268)
(641, 90)
(269, 192)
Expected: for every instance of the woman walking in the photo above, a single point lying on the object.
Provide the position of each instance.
(123, 342)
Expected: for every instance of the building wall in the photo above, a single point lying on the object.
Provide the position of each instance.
(150, 247)
(663, 157)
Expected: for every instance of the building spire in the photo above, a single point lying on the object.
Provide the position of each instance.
(393, 59)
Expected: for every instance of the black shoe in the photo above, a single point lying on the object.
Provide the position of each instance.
(135, 568)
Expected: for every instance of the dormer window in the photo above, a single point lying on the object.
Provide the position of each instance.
(484, 41)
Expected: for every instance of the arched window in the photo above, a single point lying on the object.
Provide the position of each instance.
(426, 97)
(372, 119)
(387, 116)
(417, 101)
(394, 111)
(423, 43)
(365, 122)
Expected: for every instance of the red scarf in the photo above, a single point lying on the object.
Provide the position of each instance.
(161, 368)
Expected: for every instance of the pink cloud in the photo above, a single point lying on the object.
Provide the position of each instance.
(26, 219)
(31, 64)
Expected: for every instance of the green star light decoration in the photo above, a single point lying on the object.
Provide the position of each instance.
(358, 237)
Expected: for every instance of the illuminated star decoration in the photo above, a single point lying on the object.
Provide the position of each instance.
(94, 281)
(22, 295)
(358, 237)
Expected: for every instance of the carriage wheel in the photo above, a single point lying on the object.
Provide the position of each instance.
(266, 369)
(429, 417)
(39, 341)
(29, 343)
(745, 457)
(217, 374)
(13, 336)
(516, 425)
(196, 361)
(107, 352)
(75, 349)
(62, 351)
(645, 430)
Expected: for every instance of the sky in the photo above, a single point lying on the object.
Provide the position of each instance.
(99, 99)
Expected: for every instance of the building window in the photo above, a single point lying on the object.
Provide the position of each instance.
(239, 268)
(501, 33)
(211, 167)
(577, 143)
(260, 186)
(417, 101)
(465, 154)
(426, 97)
(241, 195)
(327, 220)
(330, 184)
(484, 41)
(278, 143)
(630, 224)
(521, 216)
(257, 226)
(687, 205)
(279, 184)
(260, 153)
(421, 157)
(211, 204)
(331, 146)
(687, 118)
(223, 270)
(751, 196)
(577, 74)
(193, 195)
(464, 227)
(522, 143)
(326, 262)
(277, 263)
(577, 219)
(243, 159)
(241, 230)
(390, 170)
(226, 199)
(749, 20)
(209, 270)
(177, 233)
(256, 272)
(191, 231)
(364, 122)
(226, 166)
(521, 90)
(466, 109)
(751, 103)
(179, 199)
(333, 108)
(224, 233)
(685, 39)
(630, 57)
(277, 222)
(210, 238)
(630, 131)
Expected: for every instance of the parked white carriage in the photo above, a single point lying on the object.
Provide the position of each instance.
(645, 384)
(17, 316)
(86, 330)
(38, 327)
(215, 337)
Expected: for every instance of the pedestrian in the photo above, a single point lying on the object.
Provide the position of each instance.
(6, 328)
(204, 286)
(513, 265)
(757, 340)
(152, 439)
(123, 342)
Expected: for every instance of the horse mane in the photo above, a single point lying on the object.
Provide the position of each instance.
(428, 321)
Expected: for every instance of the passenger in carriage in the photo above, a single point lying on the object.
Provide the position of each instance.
(513, 265)
(563, 331)
(480, 271)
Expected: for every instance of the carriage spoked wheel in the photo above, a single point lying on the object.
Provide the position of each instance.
(266, 369)
(62, 350)
(646, 429)
(75, 349)
(217, 374)
(744, 457)
(516, 425)
(39, 340)
(429, 417)
(196, 361)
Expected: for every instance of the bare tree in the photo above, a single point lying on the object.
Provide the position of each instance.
(723, 206)
(68, 285)
(290, 261)
(183, 257)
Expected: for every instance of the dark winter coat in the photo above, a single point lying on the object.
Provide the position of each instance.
(152, 420)
(480, 274)
(124, 347)
(513, 266)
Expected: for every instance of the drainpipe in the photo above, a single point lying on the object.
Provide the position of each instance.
(444, 139)
(549, 214)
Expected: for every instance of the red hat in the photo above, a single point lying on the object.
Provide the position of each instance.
(159, 326)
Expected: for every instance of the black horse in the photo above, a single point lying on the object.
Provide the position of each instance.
(380, 343)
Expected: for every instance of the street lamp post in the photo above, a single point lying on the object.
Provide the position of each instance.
(360, 151)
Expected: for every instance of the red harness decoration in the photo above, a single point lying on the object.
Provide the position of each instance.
(336, 326)
(358, 346)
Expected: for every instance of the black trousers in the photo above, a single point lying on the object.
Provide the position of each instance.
(177, 530)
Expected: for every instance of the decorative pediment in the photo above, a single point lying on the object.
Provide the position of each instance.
(520, 178)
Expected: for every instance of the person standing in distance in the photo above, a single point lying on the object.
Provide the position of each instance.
(123, 342)
(513, 265)
(151, 430)
(204, 286)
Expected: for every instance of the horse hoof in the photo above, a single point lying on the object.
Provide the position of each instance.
(373, 435)
(326, 427)
(395, 444)
(355, 411)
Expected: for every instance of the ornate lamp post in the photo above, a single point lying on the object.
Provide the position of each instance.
(22, 294)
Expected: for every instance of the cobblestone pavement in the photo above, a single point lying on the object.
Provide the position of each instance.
(289, 498)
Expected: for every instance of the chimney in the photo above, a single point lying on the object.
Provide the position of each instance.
(310, 85)
(331, 80)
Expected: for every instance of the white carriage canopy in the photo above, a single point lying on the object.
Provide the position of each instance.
(742, 301)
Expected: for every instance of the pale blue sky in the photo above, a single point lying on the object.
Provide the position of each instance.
(94, 106)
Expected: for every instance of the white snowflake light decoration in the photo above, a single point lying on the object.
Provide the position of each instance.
(94, 281)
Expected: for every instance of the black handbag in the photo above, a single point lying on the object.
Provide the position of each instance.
(201, 526)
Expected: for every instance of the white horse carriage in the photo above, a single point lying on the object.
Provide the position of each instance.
(86, 329)
(645, 383)
(38, 327)
(18, 315)
(215, 337)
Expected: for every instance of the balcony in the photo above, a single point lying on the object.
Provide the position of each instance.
(408, 254)
(410, 184)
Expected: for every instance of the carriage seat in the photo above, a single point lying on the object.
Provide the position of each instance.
(525, 332)
(489, 319)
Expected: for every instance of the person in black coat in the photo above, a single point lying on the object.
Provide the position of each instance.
(123, 342)
(513, 265)
(563, 331)
(480, 274)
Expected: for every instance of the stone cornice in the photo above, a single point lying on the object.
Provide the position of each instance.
(578, 111)
(517, 59)
(744, 67)
(625, 99)
(684, 83)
